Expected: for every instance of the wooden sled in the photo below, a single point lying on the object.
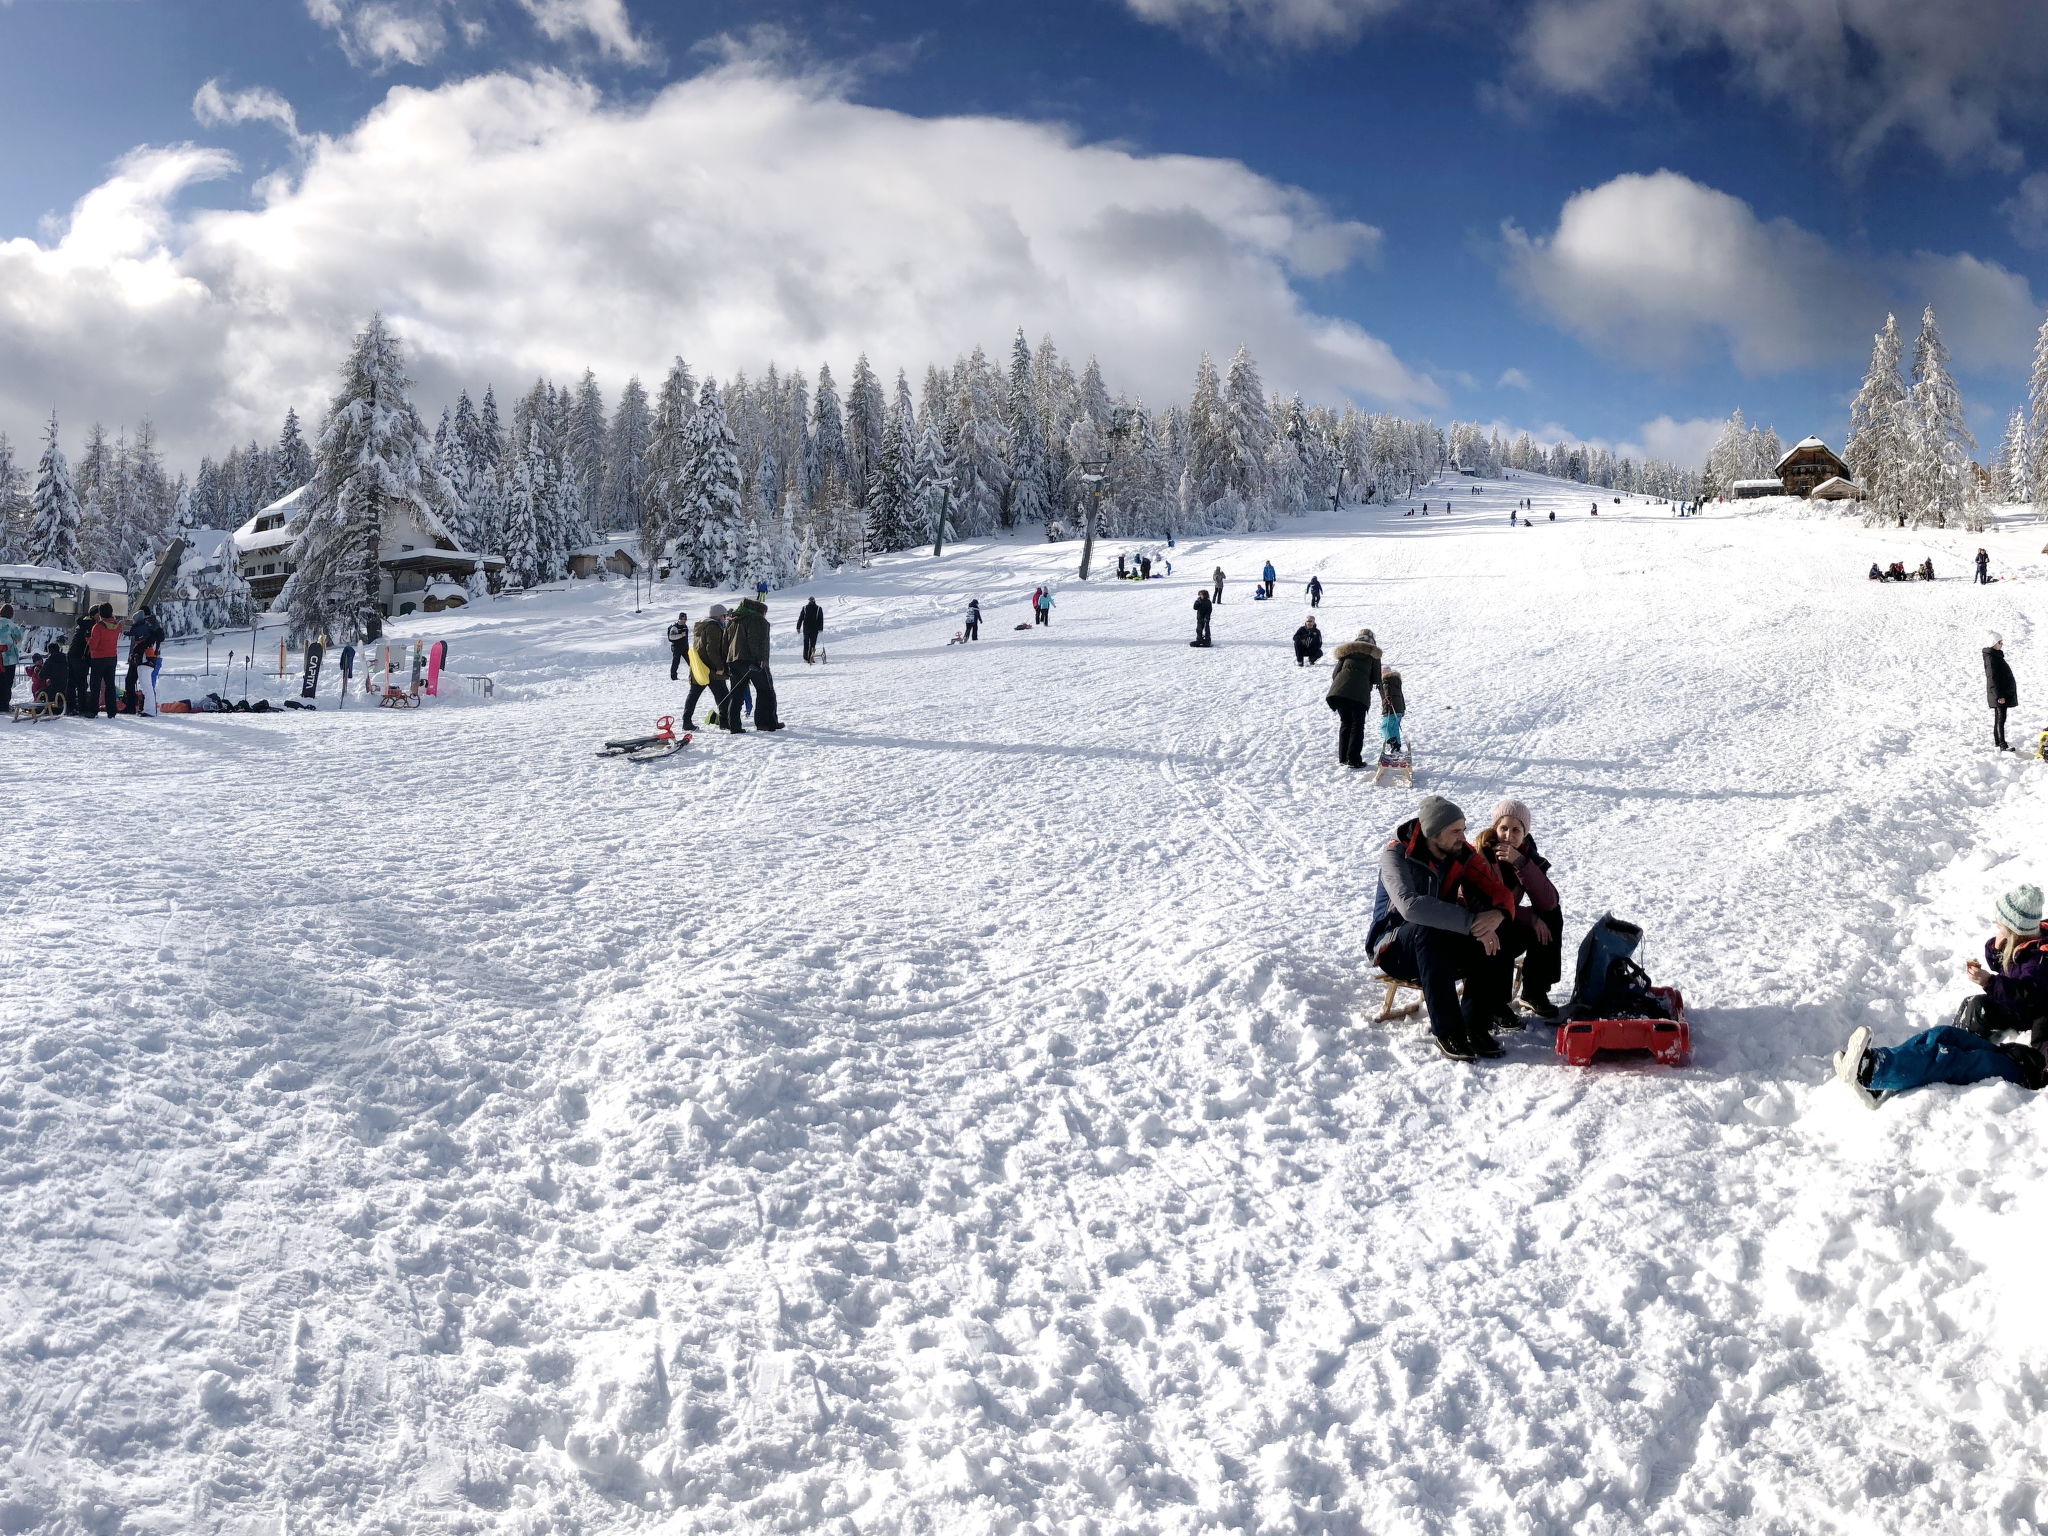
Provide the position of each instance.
(40, 709)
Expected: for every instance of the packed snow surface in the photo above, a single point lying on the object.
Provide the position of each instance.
(961, 1112)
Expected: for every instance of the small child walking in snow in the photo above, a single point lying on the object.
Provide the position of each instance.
(1393, 705)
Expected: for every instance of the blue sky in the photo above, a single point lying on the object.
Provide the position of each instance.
(1459, 132)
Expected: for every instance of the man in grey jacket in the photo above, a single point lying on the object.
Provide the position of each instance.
(1440, 916)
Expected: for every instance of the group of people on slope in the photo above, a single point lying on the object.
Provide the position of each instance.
(1139, 566)
(1356, 680)
(2012, 999)
(1449, 910)
(1897, 571)
(79, 678)
(727, 653)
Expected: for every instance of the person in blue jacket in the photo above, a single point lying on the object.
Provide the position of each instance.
(1270, 576)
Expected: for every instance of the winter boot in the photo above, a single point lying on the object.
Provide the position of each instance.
(1852, 1066)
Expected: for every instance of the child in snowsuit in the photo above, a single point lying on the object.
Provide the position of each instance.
(2014, 976)
(1393, 705)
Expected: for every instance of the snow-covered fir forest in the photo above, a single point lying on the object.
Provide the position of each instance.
(745, 480)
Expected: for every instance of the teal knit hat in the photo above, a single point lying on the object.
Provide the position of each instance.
(2019, 910)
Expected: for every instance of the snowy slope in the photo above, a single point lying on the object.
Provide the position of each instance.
(959, 1113)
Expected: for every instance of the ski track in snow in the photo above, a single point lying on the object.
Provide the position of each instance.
(960, 1113)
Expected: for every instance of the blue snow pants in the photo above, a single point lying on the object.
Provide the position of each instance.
(1941, 1055)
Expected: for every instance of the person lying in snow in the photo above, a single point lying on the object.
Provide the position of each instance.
(1507, 844)
(2014, 979)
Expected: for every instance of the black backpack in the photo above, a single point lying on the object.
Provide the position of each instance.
(1608, 983)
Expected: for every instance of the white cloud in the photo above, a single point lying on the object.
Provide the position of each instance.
(603, 22)
(377, 34)
(519, 225)
(215, 108)
(1658, 269)
(1955, 74)
(1288, 23)
(1676, 442)
(1513, 378)
(2026, 213)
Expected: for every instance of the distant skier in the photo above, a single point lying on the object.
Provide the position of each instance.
(1217, 596)
(1983, 568)
(1308, 643)
(707, 667)
(1042, 607)
(678, 644)
(1513, 518)
(1144, 567)
(1315, 591)
(1553, 516)
(1596, 509)
(1356, 674)
(1270, 576)
(810, 623)
(1121, 573)
(1202, 606)
(1999, 687)
(973, 629)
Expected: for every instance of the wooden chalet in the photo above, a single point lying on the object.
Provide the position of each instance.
(1810, 464)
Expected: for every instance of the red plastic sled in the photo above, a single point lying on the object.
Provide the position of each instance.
(1664, 1040)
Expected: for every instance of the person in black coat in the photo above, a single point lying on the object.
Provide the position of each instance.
(144, 635)
(80, 653)
(678, 644)
(2000, 689)
(810, 624)
(1308, 643)
(1202, 607)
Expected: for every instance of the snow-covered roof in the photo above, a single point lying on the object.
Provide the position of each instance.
(1835, 488)
(285, 506)
(104, 581)
(1800, 447)
(290, 504)
(1757, 485)
(623, 544)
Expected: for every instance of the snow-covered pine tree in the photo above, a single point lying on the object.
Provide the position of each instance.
(932, 482)
(1025, 494)
(711, 514)
(53, 509)
(1248, 430)
(583, 452)
(1941, 468)
(13, 505)
(828, 432)
(977, 449)
(2015, 462)
(866, 421)
(291, 461)
(374, 465)
(668, 446)
(2037, 418)
(529, 540)
(625, 459)
(1205, 480)
(1879, 430)
(451, 456)
(892, 489)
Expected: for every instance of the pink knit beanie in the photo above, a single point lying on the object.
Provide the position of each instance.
(1513, 808)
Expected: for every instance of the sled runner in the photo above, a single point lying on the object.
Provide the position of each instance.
(1402, 763)
(397, 698)
(49, 707)
(646, 749)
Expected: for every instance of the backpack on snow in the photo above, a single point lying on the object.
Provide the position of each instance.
(1608, 983)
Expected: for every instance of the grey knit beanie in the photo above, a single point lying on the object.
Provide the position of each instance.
(2019, 909)
(1436, 813)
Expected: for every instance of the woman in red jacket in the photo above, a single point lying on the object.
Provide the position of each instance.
(104, 647)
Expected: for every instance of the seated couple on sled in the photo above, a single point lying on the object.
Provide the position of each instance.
(1449, 911)
(2012, 979)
